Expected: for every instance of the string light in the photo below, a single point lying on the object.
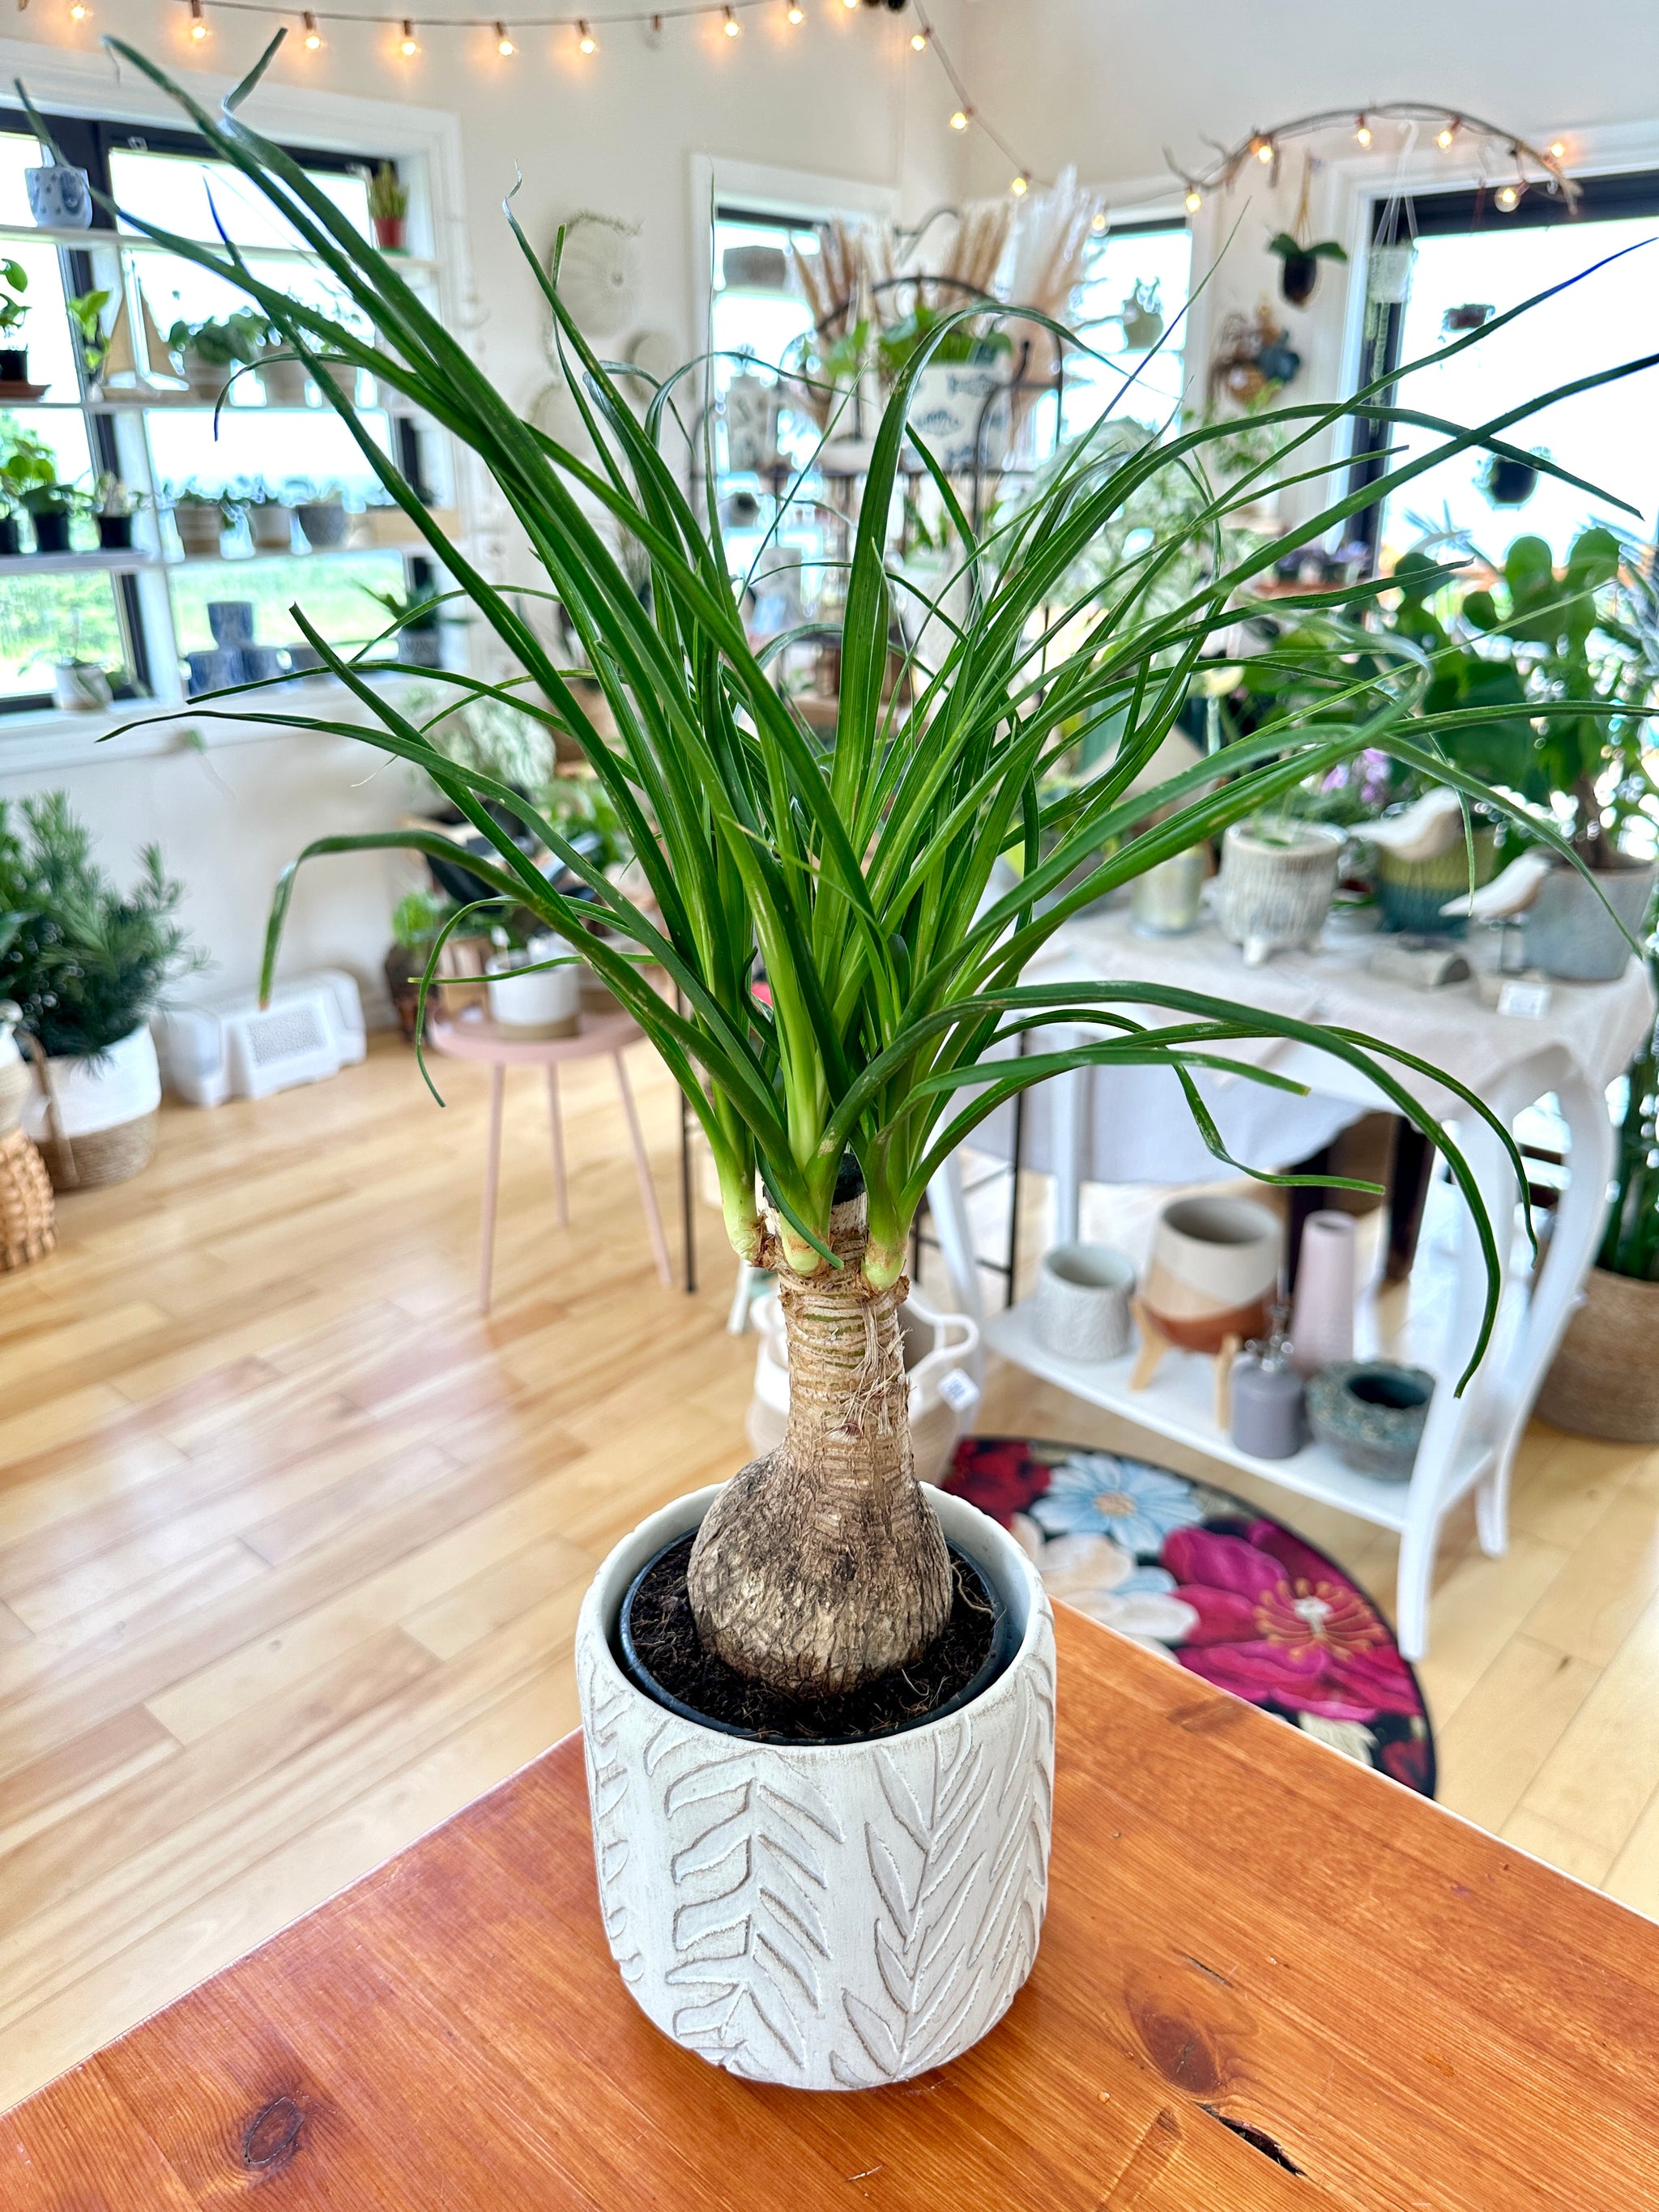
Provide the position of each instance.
(1262, 149)
(797, 13)
(1362, 132)
(1097, 223)
(79, 11)
(1195, 199)
(504, 45)
(918, 42)
(1557, 150)
(959, 120)
(1508, 197)
(733, 27)
(1020, 186)
(585, 41)
(1447, 132)
(313, 36)
(409, 45)
(198, 29)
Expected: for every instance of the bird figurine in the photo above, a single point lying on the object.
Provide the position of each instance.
(1507, 894)
(1424, 830)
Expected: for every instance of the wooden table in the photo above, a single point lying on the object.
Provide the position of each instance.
(1258, 1958)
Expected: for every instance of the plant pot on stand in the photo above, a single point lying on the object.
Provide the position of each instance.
(1277, 880)
(1569, 931)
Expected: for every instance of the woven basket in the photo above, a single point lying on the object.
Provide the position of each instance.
(1605, 1379)
(103, 1156)
(27, 1214)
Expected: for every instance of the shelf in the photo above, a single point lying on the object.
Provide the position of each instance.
(25, 234)
(1179, 1403)
(66, 564)
(308, 553)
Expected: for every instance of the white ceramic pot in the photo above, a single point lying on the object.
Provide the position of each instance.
(80, 687)
(119, 1085)
(823, 1916)
(271, 527)
(1569, 931)
(1213, 1270)
(941, 1358)
(1277, 885)
(537, 1002)
(1083, 1301)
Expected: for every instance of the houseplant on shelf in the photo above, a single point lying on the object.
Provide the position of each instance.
(823, 1871)
(201, 519)
(89, 967)
(27, 465)
(211, 353)
(13, 313)
(115, 504)
(388, 208)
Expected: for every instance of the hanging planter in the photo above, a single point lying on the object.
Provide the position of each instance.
(1388, 273)
(1299, 272)
(1142, 314)
(1472, 315)
(1509, 483)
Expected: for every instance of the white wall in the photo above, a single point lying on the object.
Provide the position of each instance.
(841, 95)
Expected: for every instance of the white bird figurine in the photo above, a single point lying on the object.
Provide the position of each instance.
(1427, 828)
(1511, 893)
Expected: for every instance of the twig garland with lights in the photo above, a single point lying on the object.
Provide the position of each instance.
(1452, 124)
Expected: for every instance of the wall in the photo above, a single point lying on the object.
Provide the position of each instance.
(620, 133)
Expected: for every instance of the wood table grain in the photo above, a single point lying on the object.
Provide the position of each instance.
(1268, 1980)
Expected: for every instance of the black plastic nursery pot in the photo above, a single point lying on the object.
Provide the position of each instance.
(14, 364)
(9, 540)
(1298, 278)
(51, 533)
(1511, 484)
(115, 532)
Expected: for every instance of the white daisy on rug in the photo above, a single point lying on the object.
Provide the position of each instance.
(1102, 1580)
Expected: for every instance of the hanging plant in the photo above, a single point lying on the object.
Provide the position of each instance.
(1509, 483)
(1299, 275)
(1142, 314)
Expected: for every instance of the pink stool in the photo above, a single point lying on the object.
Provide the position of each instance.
(472, 1036)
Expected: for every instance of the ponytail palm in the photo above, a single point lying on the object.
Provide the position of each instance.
(842, 975)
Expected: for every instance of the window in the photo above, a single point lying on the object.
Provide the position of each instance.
(1473, 259)
(1136, 277)
(142, 612)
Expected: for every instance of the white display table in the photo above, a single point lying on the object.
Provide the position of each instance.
(1574, 1050)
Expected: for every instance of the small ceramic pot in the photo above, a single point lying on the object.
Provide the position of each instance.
(115, 532)
(1165, 900)
(1569, 933)
(531, 1002)
(231, 622)
(1322, 1322)
(200, 530)
(388, 232)
(80, 687)
(1277, 885)
(324, 524)
(1083, 1301)
(824, 1915)
(1411, 893)
(940, 1350)
(1213, 1271)
(271, 527)
(60, 197)
(1372, 1414)
(1268, 1416)
(207, 379)
(285, 380)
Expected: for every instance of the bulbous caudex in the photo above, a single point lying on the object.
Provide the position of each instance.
(820, 1566)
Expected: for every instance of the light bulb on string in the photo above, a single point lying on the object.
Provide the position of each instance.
(918, 42)
(1097, 223)
(585, 41)
(1195, 199)
(1447, 132)
(1020, 186)
(797, 13)
(1262, 149)
(409, 45)
(733, 27)
(198, 29)
(504, 45)
(313, 36)
(1362, 132)
(79, 11)
(959, 120)
(1558, 150)
(1508, 197)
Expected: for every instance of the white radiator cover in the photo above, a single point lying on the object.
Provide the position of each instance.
(233, 1048)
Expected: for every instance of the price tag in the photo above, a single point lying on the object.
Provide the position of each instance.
(959, 1391)
(1531, 1001)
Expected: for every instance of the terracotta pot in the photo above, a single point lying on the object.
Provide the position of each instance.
(1213, 1271)
(388, 232)
(1605, 1380)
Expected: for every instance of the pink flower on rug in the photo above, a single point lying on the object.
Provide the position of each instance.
(1277, 1622)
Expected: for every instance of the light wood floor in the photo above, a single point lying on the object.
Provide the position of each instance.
(292, 1542)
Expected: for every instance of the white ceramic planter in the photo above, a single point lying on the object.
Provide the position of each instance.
(1276, 885)
(543, 1002)
(823, 1916)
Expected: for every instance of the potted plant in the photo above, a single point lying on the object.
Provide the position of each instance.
(211, 353)
(59, 195)
(283, 378)
(13, 313)
(818, 1703)
(418, 922)
(1508, 479)
(418, 637)
(535, 980)
(1604, 1381)
(51, 508)
(270, 519)
(1298, 266)
(115, 504)
(201, 519)
(323, 519)
(27, 465)
(85, 311)
(89, 968)
(388, 208)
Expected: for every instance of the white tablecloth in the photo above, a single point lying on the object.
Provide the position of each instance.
(1141, 1130)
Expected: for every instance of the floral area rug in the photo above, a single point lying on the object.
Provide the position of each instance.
(1198, 1575)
